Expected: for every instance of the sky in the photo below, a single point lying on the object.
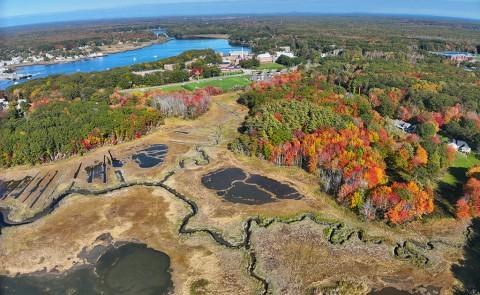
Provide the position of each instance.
(31, 11)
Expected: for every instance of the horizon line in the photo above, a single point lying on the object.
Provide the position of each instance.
(291, 13)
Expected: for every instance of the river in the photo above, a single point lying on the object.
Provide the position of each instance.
(115, 60)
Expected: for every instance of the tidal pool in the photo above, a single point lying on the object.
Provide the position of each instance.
(237, 186)
(96, 171)
(241, 192)
(280, 190)
(223, 179)
(128, 269)
(151, 156)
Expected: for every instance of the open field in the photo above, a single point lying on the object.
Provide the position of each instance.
(226, 83)
(270, 66)
(450, 186)
(456, 172)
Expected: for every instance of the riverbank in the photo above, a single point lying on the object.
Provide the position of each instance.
(129, 56)
(205, 36)
(105, 50)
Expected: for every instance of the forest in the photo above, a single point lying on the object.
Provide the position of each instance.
(307, 120)
(52, 130)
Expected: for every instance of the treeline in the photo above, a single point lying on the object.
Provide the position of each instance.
(60, 129)
(52, 130)
(309, 36)
(359, 156)
(469, 205)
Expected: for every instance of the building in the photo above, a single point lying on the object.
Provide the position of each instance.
(335, 52)
(229, 69)
(21, 102)
(457, 56)
(3, 104)
(460, 146)
(265, 58)
(285, 48)
(169, 67)
(286, 53)
(402, 125)
(264, 76)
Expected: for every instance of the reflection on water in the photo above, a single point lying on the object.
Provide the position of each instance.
(151, 156)
(129, 269)
(236, 186)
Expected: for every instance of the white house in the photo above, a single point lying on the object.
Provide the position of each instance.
(265, 58)
(460, 146)
(407, 127)
(286, 53)
(3, 104)
(20, 102)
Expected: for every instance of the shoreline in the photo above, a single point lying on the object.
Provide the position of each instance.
(205, 36)
(104, 52)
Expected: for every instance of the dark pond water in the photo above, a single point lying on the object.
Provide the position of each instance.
(128, 269)
(146, 54)
(280, 190)
(237, 186)
(116, 163)
(151, 156)
(244, 193)
(95, 172)
(222, 179)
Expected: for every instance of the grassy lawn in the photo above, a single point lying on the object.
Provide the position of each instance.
(226, 84)
(172, 88)
(270, 66)
(450, 186)
(456, 172)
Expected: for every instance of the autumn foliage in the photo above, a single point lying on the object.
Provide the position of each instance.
(469, 205)
(303, 121)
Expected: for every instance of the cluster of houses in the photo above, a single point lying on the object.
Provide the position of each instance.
(456, 56)
(234, 57)
(266, 75)
(458, 145)
(266, 57)
(4, 104)
(59, 55)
